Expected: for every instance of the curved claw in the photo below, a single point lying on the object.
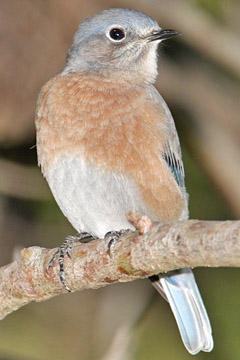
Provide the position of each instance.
(62, 273)
(52, 262)
(113, 236)
(66, 248)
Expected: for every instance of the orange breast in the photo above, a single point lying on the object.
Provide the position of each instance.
(112, 126)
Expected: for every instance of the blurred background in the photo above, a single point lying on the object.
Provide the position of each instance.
(199, 77)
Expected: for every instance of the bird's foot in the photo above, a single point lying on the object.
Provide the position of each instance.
(113, 236)
(66, 249)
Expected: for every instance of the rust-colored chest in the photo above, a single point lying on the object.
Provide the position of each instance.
(114, 127)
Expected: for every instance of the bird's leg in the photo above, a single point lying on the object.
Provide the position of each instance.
(66, 248)
(113, 236)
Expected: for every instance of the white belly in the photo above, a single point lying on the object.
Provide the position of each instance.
(93, 200)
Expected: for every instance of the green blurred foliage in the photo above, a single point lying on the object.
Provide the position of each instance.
(205, 202)
(215, 8)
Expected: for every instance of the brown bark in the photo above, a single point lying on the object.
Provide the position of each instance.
(190, 243)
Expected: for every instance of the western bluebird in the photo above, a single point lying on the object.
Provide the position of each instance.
(107, 144)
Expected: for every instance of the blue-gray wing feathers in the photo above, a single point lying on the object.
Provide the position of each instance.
(172, 150)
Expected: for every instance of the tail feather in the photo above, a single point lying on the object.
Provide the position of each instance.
(181, 291)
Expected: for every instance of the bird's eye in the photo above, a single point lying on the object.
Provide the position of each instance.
(117, 34)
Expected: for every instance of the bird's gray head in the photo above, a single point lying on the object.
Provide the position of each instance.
(119, 41)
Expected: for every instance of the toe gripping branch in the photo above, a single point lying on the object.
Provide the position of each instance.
(67, 246)
(113, 236)
(66, 249)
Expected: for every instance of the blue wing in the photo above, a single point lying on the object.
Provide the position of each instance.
(172, 151)
(175, 165)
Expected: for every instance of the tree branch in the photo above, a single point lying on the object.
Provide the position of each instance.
(190, 243)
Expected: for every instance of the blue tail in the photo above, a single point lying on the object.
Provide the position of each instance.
(179, 288)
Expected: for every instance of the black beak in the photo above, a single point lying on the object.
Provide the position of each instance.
(163, 34)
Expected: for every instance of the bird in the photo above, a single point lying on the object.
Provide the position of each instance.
(107, 144)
